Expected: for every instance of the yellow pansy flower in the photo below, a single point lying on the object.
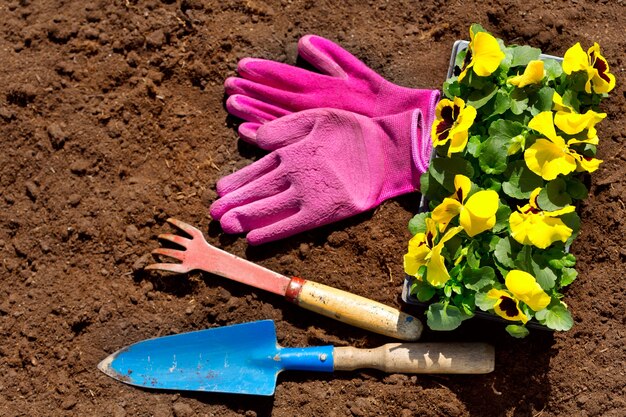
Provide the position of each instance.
(572, 123)
(592, 62)
(552, 156)
(424, 251)
(507, 306)
(452, 122)
(533, 74)
(483, 54)
(532, 226)
(522, 287)
(477, 214)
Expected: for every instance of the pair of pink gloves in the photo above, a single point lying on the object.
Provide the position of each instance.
(342, 141)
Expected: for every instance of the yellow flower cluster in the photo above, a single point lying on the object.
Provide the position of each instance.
(476, 215)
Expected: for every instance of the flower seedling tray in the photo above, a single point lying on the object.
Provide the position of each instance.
(411, 300)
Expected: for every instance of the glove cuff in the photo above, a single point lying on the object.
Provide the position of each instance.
(421, 143)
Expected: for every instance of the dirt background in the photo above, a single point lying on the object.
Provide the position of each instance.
(112, 119)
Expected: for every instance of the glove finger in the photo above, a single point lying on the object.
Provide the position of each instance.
(285, 100)
(253, 110)
(247, 131)
(279, 75)
(247, 174)
(281, 229)
(258, 189)
(261, 213)
(332, 59)
(287, 130)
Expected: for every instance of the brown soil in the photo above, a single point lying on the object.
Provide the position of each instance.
(112, 119)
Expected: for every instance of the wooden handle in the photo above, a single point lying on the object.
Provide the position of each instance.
(353, 309)
(419, 358)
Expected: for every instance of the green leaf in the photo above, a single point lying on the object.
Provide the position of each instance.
(493, 155)
(460, 58)
(502, 218)
(473, 145)
(443, 317)
(522, 55)
(472, 257)
(418, 223)
(506, 252)
(477, 99)
(553, 68)
(572, 221)
(570, 98)
(452, 88)
(519, 101)
(542, 101)
(443, 170)
(517, 331)
(557, 258)
(476, 28)
(576, 189)
(542, 272)
(422, 290)
(521, 181)
(431, 189)
(524, 259)
(483, 302)
(569, 275)
(556, 317)
(502, 102)
(554, 196)
(468, 305)
(477, 279)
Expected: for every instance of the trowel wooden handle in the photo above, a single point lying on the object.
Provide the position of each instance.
(353, 309)
(419, 358)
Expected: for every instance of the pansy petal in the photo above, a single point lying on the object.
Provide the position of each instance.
(526, 289)
(479, 212)
(548, 160)
(521, 225)
(416, 256)
(533, 74)
(558, 103)
(483, 204)
(547, 230)
(437, 274)
(586, 163)
(602, 85)
(560, 212)
(487, 54)
(575, 59)
(446, 211)
(508, 308)
(573, 123)
(544, 124)
(603, 81)
(462, 186)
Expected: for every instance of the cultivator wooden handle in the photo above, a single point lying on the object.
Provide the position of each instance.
(353, 309)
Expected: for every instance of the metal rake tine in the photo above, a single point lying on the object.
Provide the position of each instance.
(187, 228)
(178, 268)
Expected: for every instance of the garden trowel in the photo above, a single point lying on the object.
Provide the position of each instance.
(246, 359)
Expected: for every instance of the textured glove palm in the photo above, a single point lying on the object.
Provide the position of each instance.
(325, 165)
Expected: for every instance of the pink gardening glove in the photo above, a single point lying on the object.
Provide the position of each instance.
(326, 165)
(268, 90)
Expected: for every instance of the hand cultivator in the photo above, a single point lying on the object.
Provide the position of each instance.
(330, 302)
